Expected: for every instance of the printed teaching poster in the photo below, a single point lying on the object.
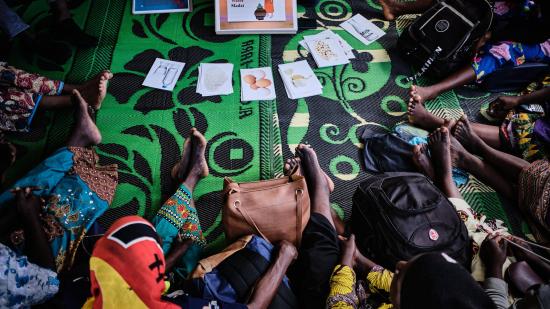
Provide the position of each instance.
(255, 10)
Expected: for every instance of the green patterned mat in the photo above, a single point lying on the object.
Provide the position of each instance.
(143, 129)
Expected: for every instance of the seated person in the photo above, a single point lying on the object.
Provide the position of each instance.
(22, 94)
(521, 133)
(319, 250)
(178, 218)
(512, 177)
(27, 280)
(128, 269)
(75, 191)
(347, 293)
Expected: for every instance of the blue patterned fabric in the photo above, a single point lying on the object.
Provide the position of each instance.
(69, 198)
(23, 284)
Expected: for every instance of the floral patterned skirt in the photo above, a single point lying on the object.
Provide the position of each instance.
(20, 95)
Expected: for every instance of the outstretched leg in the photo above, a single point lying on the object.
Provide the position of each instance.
(462, 77)
(510, 165)
(94, 90)
(422, 161)
(316, 181)
(85, 132)
(292, 166)
(481, 170)
(440, 148)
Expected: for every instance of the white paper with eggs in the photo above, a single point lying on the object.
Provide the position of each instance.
(300, 80)
(257, 84)
(215, 79)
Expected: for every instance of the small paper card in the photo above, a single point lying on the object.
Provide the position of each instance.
(257, 84)
(300, 80)
(363, 29)
(215, 79)
(328, 34)
(164, 74)
(326, 52)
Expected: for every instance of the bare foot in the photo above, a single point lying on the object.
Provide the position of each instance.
(85, 132)
(422, 161)
(466, 136)
(419, 116)
(424, 93)
(94, 90)
(198, 167)
(339, 224)
(180, 170)
(459, 155)
(500, 107)
(316, 181)
(292, 166)
(440, 149)
(387, 9)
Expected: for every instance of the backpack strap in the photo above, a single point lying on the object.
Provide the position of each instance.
(206, 265)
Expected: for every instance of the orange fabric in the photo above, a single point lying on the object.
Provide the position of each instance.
(134, 259)
(268, 6)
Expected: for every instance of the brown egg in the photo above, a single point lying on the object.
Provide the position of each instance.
(249, 79)
(253, 86)
(263, 83)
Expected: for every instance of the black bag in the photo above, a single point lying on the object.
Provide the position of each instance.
(444, 38)
(396, 216)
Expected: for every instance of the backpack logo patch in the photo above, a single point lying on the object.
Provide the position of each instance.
(433, 234)
(442, 25)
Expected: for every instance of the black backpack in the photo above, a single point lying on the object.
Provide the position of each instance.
(396, 216)
(444, 38)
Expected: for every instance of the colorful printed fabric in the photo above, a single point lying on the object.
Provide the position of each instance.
(478, 227)
(23, 284)
(178, 216)
(346, 293)
(494, 56)
(534, 198)
(77, 193)
(516, 132)
(20, 95)
(127, 268)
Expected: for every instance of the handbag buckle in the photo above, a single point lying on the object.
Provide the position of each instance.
(301, 191)
(235, 203)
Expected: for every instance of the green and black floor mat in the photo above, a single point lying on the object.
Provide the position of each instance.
(143, 129)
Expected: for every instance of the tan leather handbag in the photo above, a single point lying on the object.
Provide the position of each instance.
(276, 209)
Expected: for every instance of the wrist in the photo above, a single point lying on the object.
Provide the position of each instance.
(494, 272)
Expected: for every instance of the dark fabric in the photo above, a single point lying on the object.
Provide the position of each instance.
(189, 302)
(524, 29)
(317, 257)
(431, 281)
(387, 153)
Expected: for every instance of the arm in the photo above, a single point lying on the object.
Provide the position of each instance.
(28, 208)
(493, 256)
(267, 287)
(535, 96)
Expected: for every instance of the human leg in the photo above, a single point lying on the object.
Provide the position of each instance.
(395, 8)
(461, 77)
(178, 220)
(85, 132)
(510, 165)
(319, 250)
(94, 90)
(292, 166)
(481, 170)
(29, 82)
(440, 148)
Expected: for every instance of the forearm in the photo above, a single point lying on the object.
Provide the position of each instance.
(267, 287)
(535, 96)
(40, 252)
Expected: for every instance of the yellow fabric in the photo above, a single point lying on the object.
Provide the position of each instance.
(89, 304)
(115, 292)
(380, 280)
(342, 283)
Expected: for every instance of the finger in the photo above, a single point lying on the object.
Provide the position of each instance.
(342, 238)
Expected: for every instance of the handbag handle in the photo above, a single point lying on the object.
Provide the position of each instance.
(299, 193)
